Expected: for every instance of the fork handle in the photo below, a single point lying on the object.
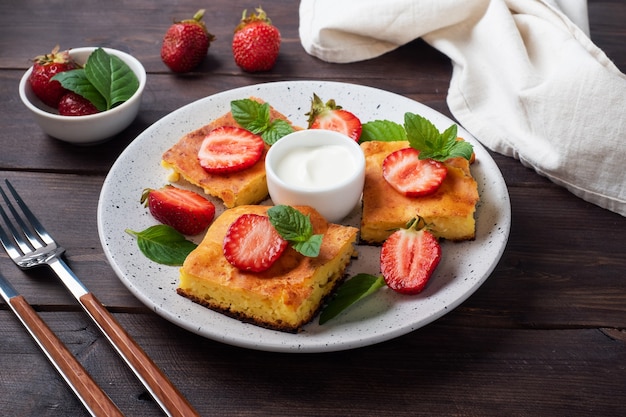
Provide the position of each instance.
(92, 396)
(171, 400)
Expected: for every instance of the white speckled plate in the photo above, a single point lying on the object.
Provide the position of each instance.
(382, 316)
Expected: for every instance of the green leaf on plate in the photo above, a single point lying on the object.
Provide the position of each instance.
(382, 130)
(163, 244)
(295, 228)
(351, 291)
(255, 117)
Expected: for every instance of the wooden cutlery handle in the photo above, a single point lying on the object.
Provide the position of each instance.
(172, 401)
(92, 396)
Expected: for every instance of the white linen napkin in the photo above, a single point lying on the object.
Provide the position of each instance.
(527, 81)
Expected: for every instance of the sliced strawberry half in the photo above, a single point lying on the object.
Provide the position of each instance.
(184, 210)
(252, 243)
(330, 116)
(408, 259)
(411, 176)
(230, 149)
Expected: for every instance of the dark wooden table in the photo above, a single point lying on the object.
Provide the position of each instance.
(545, 334)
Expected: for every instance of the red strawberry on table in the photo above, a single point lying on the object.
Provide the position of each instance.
(256, 42)
(186, 43)
(44, 68)
(330, 116)
(229, 149)
(409, 257)
(252, 243)
(184, 210)
(72, 104)
(411, 176)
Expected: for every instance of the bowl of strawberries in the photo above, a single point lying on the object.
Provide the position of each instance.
(83, 95)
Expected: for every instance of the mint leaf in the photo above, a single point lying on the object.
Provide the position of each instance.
(76, 81)
(255, 117)
(382, 130)
(163, 244)
(111, 77)
(276, 130)
(296, 228)
(426, 138)
(251, 114)
(351, 291)
(105, 80)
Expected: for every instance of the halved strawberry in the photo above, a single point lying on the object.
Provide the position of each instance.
(330, 116)
(411, 176)
(408, 258)
(252, 243)
(184, 210)
(229, 149)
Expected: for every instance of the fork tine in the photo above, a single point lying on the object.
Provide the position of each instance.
(34, 223)
(6, 241)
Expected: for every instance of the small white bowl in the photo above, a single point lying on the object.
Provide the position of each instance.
(300, 171)
(93, 128)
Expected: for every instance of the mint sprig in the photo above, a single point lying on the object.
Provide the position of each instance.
(105, 80)
(255, 117)
(426, 138)
(296, 228)
(422, 135)
(163, 244)
(351, 291)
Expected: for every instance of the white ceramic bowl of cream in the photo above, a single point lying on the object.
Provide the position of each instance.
(318, 168)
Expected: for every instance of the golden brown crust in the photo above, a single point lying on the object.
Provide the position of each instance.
(449, 211)
(244, 187)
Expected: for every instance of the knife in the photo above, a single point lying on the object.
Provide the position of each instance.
(95, 400)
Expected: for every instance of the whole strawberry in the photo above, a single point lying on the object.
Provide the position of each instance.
(44, 68)
(72, 104)
(186, 44)
(256, 42)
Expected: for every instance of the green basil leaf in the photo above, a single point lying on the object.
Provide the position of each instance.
(382, 130)
(163, 244)
(76, 81)
(111, 77)
(351, 291)
(296, 228)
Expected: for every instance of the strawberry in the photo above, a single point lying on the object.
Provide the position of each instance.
(229, 149)
(72, 104)
(409, 257)
(256, 42)
(44, 68)
(184, 210)
(186, 43)
(411, 176)
(252, 243)
(330, 116)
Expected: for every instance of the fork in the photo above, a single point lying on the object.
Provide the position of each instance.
(31, 246)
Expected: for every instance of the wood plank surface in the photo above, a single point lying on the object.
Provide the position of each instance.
(545, 335)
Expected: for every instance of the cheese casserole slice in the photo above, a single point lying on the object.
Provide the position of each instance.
(238, 188)
(449, 211)
(286, 296)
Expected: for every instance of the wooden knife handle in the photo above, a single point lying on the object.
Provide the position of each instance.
(171, 400)
(92, 396)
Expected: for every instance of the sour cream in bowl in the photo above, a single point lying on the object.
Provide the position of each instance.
(318, 168)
